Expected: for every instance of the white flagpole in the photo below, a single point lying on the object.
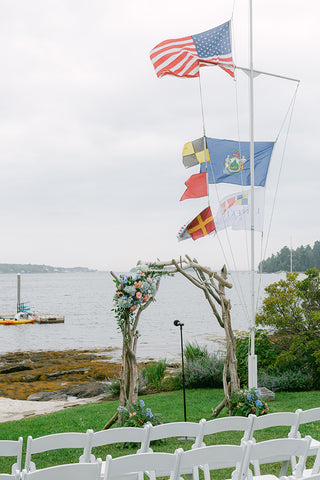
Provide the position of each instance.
(252, 359)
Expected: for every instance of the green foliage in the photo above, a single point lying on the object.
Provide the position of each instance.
(266, 349)
(303, 258)
(292, 380)
(193, 351)
(153, 374)
(202, 369)
(204, 372)
(292, 311)
(137, 415)
(114, 387)
(244, 402)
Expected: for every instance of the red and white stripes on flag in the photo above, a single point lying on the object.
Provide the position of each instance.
(183, 57)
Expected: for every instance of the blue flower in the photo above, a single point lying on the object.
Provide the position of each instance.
(121, 409)
(142, 404)
(258, 403)
(149, 414)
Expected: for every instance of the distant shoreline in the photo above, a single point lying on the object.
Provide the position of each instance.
(31, 268)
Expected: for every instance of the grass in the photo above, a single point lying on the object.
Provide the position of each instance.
(168, 404)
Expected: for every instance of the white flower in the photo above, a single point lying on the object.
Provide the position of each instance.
(130, 289)
(143, 268)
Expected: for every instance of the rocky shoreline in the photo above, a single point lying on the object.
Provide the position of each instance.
(67, 373)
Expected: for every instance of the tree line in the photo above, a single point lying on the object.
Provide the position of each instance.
(303, 258)
(30, 268)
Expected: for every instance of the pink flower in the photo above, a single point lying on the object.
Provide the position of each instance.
(138, 294)
(143, 274)
(134, 413)
(146, 298)
(119, 293)
(137, 284)
(130, 414)
(132, 308)
(149, 279)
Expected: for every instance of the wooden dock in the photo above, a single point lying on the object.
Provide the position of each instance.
(48, 318)
(40, 317)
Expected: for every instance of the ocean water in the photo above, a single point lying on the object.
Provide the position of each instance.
(85, 300)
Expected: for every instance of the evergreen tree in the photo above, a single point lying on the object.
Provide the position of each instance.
(303, 258)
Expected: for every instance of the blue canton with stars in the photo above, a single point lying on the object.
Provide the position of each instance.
(213, 42)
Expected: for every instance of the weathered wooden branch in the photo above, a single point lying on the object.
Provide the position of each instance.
(114, 276)
(111, 421)
(204, 278)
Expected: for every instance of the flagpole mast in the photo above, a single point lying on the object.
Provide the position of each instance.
(252, 360)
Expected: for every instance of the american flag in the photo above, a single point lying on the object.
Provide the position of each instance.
(183, 57)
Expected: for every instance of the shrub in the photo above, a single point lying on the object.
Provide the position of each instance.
(292, 310)
(113, 386)
(244, 402)
(202, 369)
(293, 380)
(153, 374)
(266, 350)
(193, 351)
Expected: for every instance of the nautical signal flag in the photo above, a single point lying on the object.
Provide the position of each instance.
(183, 57)
(193, 153)
(199, 227)
(196, 186)
(228, 161)
(235, 211)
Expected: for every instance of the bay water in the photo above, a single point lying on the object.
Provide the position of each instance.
(85, 300)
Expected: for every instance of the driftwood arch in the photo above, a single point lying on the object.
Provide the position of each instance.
(213, 286)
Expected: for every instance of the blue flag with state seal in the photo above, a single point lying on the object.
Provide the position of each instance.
(228, 161)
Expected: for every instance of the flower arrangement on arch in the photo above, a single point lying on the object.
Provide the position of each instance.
(244, 402)
(134, 291)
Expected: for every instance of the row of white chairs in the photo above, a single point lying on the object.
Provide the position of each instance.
(144, 436)
(208, 459)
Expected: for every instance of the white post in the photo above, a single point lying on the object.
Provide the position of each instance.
(252, 360)
(18, 291)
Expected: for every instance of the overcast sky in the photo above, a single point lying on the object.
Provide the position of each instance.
(91, 139)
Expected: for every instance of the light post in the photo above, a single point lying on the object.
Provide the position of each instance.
(177, 323)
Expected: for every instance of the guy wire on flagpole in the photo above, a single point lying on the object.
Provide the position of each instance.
(204, 139)
(240, 295)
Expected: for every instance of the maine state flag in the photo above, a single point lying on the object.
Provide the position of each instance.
(230, 161)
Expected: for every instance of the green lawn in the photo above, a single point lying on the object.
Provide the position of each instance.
(169, 405)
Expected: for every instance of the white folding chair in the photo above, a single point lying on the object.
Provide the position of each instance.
(132, 467)
(226, 424)
(308, 416)
(215, 457)
(273, 420)
(120, 435)
(309, 477)
(73, 471)
(315, 470)
(58, 441)
(274, 451)
(12, 448)
(280, 419)
(10, 476)
(185, 430)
